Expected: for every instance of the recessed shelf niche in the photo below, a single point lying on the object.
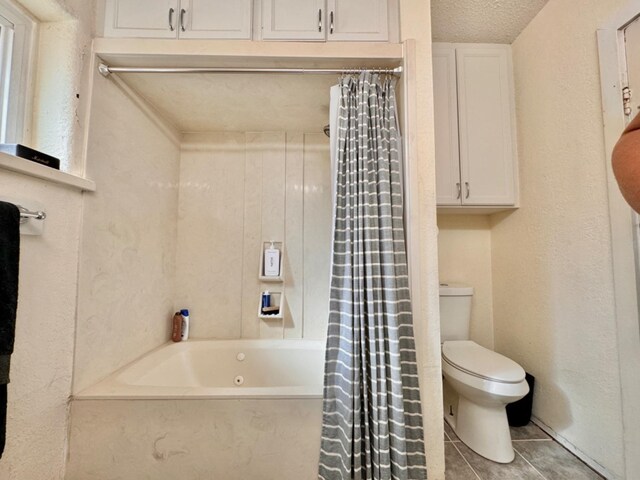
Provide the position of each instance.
(277, 299)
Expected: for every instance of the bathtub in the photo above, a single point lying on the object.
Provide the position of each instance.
(219, 369)
(182, 412)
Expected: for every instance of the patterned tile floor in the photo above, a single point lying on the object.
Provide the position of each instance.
(538, 457)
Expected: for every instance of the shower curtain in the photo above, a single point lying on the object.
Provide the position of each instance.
(372, 424)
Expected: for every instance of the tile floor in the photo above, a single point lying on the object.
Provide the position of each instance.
(538, 457)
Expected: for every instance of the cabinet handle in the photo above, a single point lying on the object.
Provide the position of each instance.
(331, 22)
(459, 190)
(182, 14)
(320, 20)
(466, 185)
(171, 12)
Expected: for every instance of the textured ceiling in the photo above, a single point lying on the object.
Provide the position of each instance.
(481, 21)
(245, 103)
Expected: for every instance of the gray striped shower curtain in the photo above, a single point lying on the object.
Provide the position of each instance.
(372, 423)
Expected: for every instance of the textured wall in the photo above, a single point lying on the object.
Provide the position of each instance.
(41, 366)
(61, 77)
(127, 261)
(43, 359)
(552, 271)
(464, 256)
(237, 191)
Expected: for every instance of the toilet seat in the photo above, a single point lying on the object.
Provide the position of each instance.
(475, 360)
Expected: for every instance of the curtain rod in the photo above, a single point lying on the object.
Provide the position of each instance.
(106, 70)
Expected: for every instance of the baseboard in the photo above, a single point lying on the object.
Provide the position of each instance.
(575, 450)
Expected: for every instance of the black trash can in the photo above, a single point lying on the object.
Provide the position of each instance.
(519, 413)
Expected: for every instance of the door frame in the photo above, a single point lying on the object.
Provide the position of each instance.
(613, 73)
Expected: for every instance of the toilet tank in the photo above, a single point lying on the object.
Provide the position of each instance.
(455, 311)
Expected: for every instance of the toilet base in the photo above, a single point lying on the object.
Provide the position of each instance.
(484, 429)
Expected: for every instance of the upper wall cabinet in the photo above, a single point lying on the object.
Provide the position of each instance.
(216, 19)
(302, 20)
(445, 104)
(333, 20)
(179, 18)
(363, 20)
(141, 18)
(293, 20)
(476, 155)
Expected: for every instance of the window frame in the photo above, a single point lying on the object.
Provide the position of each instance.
(17, 47)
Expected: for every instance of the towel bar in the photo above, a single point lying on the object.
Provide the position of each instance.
(26, 214)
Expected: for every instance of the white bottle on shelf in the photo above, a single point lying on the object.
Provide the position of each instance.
(272, 262)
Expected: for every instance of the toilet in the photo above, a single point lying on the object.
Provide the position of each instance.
(478, 383)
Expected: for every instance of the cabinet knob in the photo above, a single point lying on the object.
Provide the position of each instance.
(320, 20)
(171, 12)
(459, 187)
(331, 22)
(466, 185)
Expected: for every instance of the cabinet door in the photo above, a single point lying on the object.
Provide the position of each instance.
(359, 20)
(293, 20)
(448, 187)
(141, 18)
(487, 124)
(216, 19)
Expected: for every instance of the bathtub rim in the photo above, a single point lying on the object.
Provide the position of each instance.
(111, 388)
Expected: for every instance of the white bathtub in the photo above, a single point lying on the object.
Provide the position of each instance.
(219, 369)
(177, 413)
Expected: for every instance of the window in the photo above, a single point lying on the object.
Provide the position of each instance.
(16, 30)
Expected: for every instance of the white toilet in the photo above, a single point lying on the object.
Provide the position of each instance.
(479, 383)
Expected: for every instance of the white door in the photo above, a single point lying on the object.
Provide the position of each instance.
(358, 20)
(486, 123)
(293, 20)
(448, 187)
(216, 19)
(141, 18)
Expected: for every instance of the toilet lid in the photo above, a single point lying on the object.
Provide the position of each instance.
(480, 362)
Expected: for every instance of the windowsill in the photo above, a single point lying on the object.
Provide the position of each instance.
(26, 167)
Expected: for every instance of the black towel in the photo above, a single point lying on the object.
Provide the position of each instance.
(9, 261)
(3, 417)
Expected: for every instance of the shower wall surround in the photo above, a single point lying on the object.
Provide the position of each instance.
(236, 191)
(127, 254)
(181, 226)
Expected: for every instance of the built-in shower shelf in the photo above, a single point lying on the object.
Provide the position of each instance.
(277, 299)
(279, 279)
(271, 317)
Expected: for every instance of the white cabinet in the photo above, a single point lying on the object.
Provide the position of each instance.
(293, 20)
(216, 19)
(325, 20)
(304, 20)
(475, 125)
(445, 103)
(178, 18)
(487, 132)
(141, 18)
(359, 20)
